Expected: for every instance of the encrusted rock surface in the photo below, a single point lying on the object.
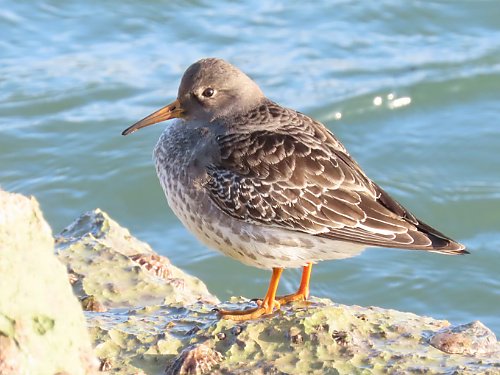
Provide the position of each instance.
(145, 316)
(42, 327)
(115, 269)
(316, 337)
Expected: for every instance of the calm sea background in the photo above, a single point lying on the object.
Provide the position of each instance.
(411, 88)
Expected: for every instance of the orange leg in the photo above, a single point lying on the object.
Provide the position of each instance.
(265, 307)
(303, 292)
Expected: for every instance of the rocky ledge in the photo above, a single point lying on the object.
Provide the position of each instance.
(145, 316)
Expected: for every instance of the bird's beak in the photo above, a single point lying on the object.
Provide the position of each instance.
(173, 110)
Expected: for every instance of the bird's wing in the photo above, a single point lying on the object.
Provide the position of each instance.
(301, 178)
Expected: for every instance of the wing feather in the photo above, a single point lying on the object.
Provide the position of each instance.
(298, 176)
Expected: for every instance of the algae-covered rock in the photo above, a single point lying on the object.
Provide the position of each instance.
(116, 270)
(145, 316)
(314, 337)
(42, 327)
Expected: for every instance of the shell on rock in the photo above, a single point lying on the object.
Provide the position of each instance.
(154, 263)
(194, 360)
(340, 337)
(90, 303)
(469, 339)
(105, 365)
(178, 283)
(295, 336)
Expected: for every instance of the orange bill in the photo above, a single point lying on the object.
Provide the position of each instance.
(173, 110)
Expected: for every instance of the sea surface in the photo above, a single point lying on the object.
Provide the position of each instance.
(412, 88)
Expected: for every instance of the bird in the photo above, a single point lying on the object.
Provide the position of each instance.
(269, 186)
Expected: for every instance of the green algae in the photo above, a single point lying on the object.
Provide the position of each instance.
(43, 324)
(7, 325)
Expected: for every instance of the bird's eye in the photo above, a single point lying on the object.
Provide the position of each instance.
(208, 92)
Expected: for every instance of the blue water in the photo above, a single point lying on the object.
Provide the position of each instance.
(411, 88)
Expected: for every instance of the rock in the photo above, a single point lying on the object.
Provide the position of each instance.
(118, 270)
(145, 316)
(313, 337)
(196, 359)
(42, 327)
(469, 339)
(182, 335)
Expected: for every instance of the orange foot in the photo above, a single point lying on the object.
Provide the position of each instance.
(266, 306)
(294, 297)
(302, 293)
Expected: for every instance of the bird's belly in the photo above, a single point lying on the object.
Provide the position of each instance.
(252, 244)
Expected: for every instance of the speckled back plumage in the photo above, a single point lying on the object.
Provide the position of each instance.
(289, 171)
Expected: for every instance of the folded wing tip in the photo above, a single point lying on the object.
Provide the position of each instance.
(452, 248)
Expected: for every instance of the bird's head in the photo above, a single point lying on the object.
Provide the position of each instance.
(210, 89)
